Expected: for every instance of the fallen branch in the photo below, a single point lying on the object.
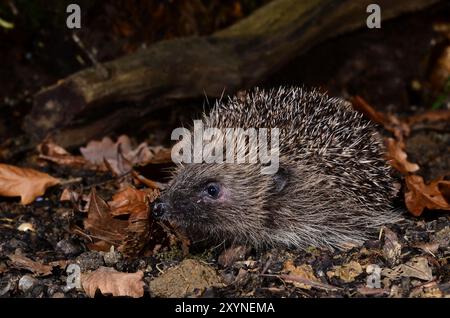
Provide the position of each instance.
(169, 71)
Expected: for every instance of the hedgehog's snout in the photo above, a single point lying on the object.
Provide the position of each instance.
(159, 209)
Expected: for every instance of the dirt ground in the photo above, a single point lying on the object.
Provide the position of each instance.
(392, 69)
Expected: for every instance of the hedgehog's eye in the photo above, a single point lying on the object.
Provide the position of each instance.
(213, 190)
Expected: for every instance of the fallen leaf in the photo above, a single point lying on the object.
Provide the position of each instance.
(429, 290)
(347, 272)
(18, 260)
(28, 184)
(430, 116)
(100, 223)
(110, 281)
(430, 248)
(398, 158)
(184, 279)
(417, 267)
(392, 248)
(131, 199)
(362, 106)
(303, 271)
(390, 122)
(229, 256)
(133, 231)
(120, 157)
(420, 195)
(69, 195)
(52, 152)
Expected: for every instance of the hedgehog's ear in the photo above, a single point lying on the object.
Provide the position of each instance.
(280, 179)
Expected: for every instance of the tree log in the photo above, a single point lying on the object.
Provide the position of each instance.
(169, 71)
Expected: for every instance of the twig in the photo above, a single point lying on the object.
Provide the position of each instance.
(100, 68)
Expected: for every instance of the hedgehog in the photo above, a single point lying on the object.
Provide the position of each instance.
(333, 187)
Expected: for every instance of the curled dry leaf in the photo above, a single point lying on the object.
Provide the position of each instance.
(420, 195)
(362, 106)
(392, 248)
(28, 184)
(110, 281)
(52, 152)
(398, 157)
(69, 195)
(131, 199)
(120, 156)
(430, 116)
(390, 122)
(133, 231)
(229, 256)
(430, 248)
(101, 225)
(20, 261)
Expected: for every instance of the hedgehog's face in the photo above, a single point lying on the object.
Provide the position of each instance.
(213, 198)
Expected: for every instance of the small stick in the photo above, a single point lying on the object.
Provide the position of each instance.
(100, 68)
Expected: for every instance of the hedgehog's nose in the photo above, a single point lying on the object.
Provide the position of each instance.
(159, 208)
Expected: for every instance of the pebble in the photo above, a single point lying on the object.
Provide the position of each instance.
(25, 227)
(90, 261)
(67, 247)
(26, 282)
(112, 257)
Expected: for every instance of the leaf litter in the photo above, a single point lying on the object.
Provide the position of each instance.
(124, 224)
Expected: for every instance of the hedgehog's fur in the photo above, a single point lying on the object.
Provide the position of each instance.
(338, 188)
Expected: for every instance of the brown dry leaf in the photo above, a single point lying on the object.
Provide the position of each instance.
(185, 279)
(388, 121)
(392, 248)
(420, 195)
(69, 195)
(131, 199)
(20, 261)
(428, 290)
(303, 271)
(430, 248)
(101, 225)
(141, 228)
(347, 272)
(28, 184)
(362, 106)
(131, 235)
(57, 154)
(120, 157)
(110, 281)
(398, 157)
(232, 254)
(417, 267)
(430, 116)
